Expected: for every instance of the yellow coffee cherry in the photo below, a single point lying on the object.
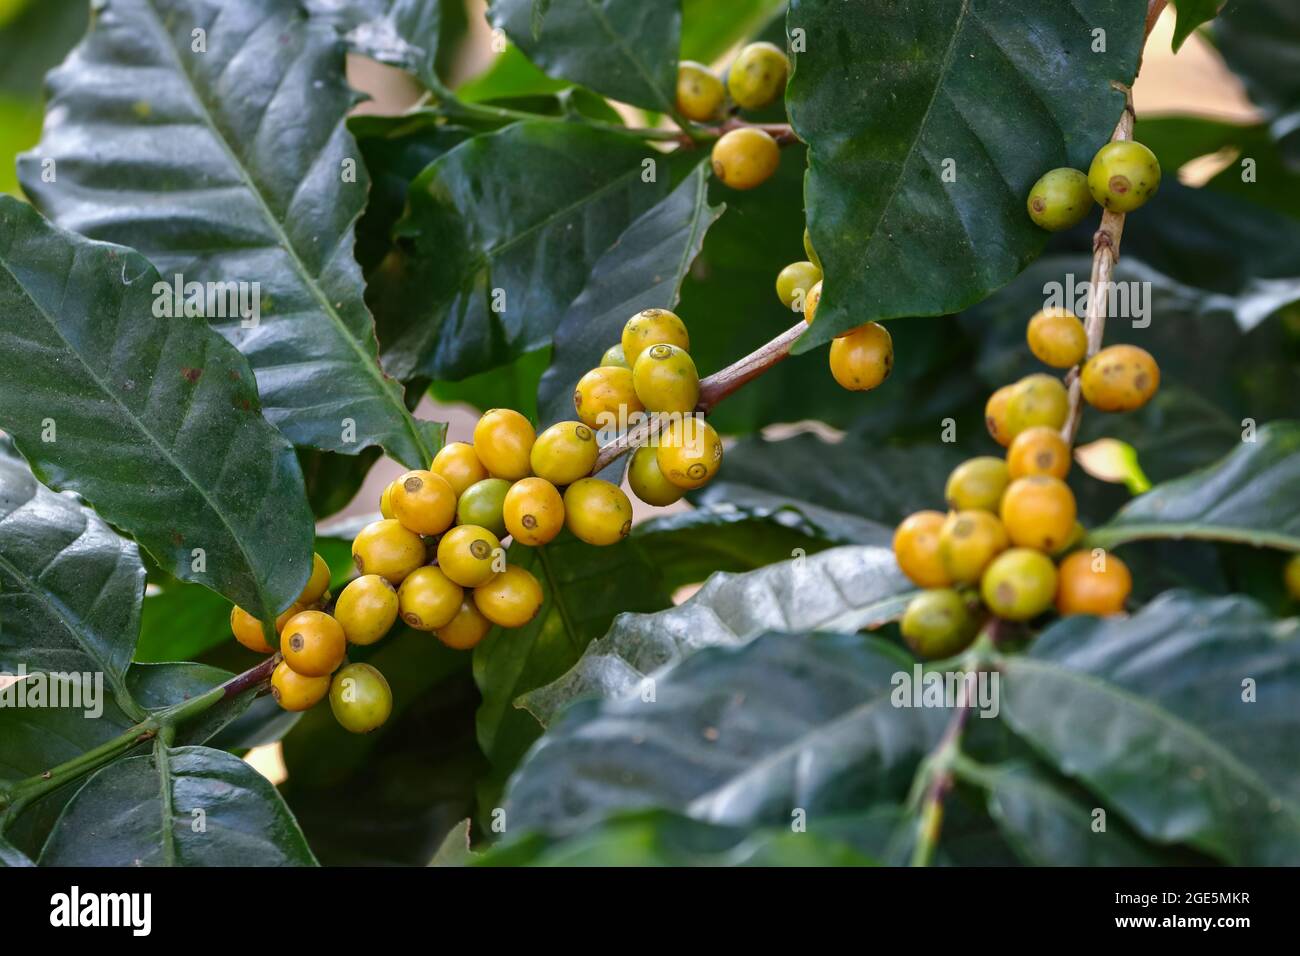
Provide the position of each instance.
(1123, 175)
(1039, 512)
(652, 327)
(1121, 378)
(1057, 338)
(387, 549)
(366, 609)
(466, 629)
(1060, 199)
(1036, 400)
(758, 75)
(811, 301)
(1039, 451)
(648, 482)
(1019, 584)
(597, 512)
(248, 630)
(700, 93)
(386, 500)
(296, 692)
(360, 698)
(318, 583)
(424, 502)
(977, 483)
(564, 453)
(689, 452)
(793, 283)
(745, 157)
(1291, 577)
(313, 644)
(968, 541)
(534, 511)
(468, 555)
(614, 356)
(995, 415)
(459, 465)
(916, 548)
(605, 397)
(511, 599)
(665, 379)
(862, 359)
(503, 440)
(428, 599)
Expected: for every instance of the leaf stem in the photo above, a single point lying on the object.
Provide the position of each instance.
(163, 722)
(936, 776)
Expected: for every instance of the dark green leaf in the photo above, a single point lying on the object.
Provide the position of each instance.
(35, 738)
(584, 588)
(660, 838)
(886, 93)
(644, 269)
(70, 586)
(506, 386)
(233, 166)
(504, 230)
(154, 420)
(1181, 719)
(1191, 14)
(187, 806)
(401, 33)
(1247, 497)
(843, 589)
(626, 49)
(735, 735)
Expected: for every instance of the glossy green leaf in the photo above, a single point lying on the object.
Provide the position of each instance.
(584, 588)
(735, 735)
(1049, 825)
(155, 421)
(502, 233)
(660, 838)
(1181, 719)
(186, 806)
(70, 586)
(844, 589)
(626, 49)
(233, 165)
(927, 124)
(1248, 497)
(35, 738)
(1191, 15)
(401, 33)
(644, 269)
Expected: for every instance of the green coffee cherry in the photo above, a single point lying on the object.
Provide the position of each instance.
(360, 698)
(793, 283)
(1123, 176)
(1060, 199)
(482, 505)
(938, 623)
(614, 357)
(648, 482)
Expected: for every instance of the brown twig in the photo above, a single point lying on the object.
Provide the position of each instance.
(783, 133)
(712, 390)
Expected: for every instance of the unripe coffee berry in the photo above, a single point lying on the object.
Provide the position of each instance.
(1036, 400)
(689, 452)
(665, 379)
(469, 555)
(295, 692)
(534, 511)
(466, 629)
(652, 327)
(565, 452)
(360, 698)
(700, 94)
(937, 623)
(916, 548)
(483, 503)
(366, 609)
(968, 541)
(1039, 451)
(428, 599)
(1121, 378)
(1019, 584)
(459, 465)
(1039, 512)
(977, 483)
(597, 512)
(864, 358)
(605, 397)
(313, 644)
(1057, 338)
(424, 502)
(1060, 199)
(648, 482)
(757, 76)
(503, 440)
(745, 157)
(1123, 176)
(387, 549)
(511, 599)
(793, 283)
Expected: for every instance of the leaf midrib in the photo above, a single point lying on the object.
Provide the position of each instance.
(367, 362)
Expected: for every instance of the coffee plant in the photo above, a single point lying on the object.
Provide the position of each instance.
(838, 494)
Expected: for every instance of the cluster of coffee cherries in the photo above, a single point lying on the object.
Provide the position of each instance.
(1008, 544)
(862, 357)
(313, 649)
(745, 157)
(1123, 175)
(650, 370)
